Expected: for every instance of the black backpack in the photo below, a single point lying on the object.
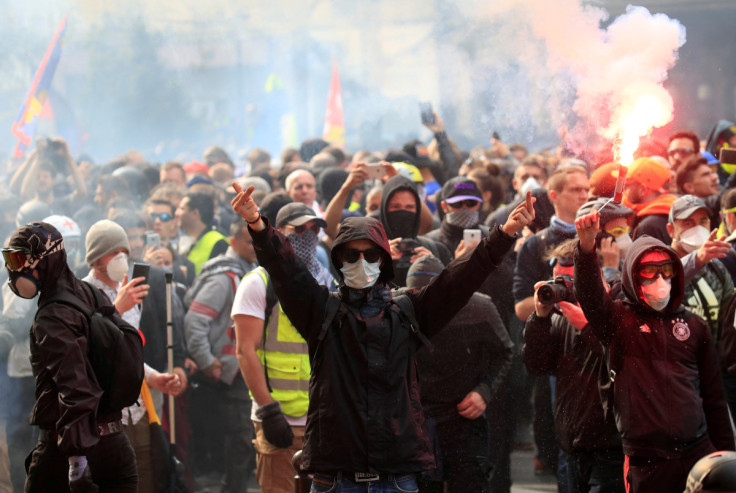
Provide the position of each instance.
(115, 349)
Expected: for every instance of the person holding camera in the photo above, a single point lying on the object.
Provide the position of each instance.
(668, 394)
(558, 341)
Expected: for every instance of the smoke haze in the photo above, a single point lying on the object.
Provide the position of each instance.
(171, 77)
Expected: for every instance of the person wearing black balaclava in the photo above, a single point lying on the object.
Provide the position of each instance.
(364, 422)
(75, 451)
(400, 205)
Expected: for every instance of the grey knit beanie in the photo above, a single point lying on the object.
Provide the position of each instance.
(422, 271)
(103, 237)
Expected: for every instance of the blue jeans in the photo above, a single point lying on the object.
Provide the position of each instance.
(400, 483)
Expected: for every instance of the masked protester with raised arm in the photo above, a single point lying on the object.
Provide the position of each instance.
(364, 421)
(668, 394)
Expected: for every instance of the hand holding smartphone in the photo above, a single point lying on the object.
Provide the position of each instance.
(471, 236)
(426, 112)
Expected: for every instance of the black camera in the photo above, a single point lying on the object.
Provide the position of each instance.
(559, 289)
(406, 247)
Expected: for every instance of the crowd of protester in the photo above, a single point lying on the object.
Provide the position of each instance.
(513, 367)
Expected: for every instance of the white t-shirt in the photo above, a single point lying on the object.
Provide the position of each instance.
(250, 299)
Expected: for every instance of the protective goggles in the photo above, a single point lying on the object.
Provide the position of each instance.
(651, 271)
(466, 203)
(163, 217)
(732, 209)
(351, 255)
(16, 260)
(618, 231)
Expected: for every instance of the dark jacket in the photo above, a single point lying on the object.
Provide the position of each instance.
(364, 409)
(552, 346)
(473, 353)
(668, 393)
(67, 392)
(153, 324)
(395, 184)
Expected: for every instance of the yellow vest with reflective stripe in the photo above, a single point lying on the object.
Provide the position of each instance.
(203, 249)
(285, 359)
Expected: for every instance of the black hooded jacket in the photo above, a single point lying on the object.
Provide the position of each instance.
(365, 413)
(393, 230)
(67, 392)
(668, 394)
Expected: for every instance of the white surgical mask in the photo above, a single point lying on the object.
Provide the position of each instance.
(117, 267)
(530, 184)
(656, 293)
(624, 241)
(693, 238)
(361, 274)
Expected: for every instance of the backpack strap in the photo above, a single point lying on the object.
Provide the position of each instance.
(335, 308)
(402, 306)
(66, 298)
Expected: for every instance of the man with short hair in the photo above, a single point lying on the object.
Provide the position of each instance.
(697, 177)
(668, 395)
(682, 147)
(645, 193)
(195, 214)
(173, 173)
(274, 358)
(220, 401)
(301, 187)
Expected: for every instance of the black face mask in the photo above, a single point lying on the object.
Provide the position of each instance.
(402, 224)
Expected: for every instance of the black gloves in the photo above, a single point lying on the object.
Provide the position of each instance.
(275, 428)
(80, 477)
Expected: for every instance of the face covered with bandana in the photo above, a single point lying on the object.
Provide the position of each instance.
(25, 253)
(361, 264)
(654, 274)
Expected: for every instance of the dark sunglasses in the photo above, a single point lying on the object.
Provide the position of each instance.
(15, 259)
(306, 227)
(466, 203)
(562, 261)
(650, 271)
(351, 255)
(163, 217)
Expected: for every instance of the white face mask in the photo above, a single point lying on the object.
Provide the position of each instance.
(361, 274)
(693, 238)
(624, 241)
(656, 293)
(530, 184)
(117, 267)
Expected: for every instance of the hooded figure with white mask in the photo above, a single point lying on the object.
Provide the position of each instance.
(667, 391)
(365, 421)
(614, 236)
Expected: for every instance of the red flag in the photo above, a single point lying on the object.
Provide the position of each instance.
(334, 131)
(24, 125)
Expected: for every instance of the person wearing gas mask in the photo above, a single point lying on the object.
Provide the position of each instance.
(81, 446)
(614, 239)
(273, 357)
(364, 422)
(108, 250)
(668, 394)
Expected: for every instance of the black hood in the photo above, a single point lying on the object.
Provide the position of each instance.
(363, 228)
(392, 186)
(641, 246)
(714, 136)
(53, 271)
